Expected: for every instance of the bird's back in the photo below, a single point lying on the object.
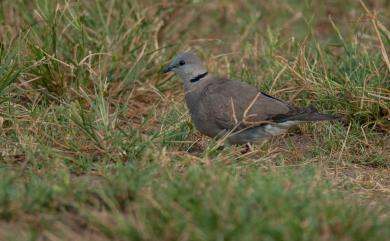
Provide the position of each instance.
(219, 104)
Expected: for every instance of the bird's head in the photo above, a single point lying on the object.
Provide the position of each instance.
(188, 67)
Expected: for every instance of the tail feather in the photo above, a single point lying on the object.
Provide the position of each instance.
(312, 117)
(309, 114)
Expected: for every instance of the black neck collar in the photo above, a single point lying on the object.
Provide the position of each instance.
(199, 77)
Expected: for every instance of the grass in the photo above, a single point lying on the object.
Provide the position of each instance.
(97, 144)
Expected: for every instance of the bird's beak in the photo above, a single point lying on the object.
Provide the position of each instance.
(167, 69)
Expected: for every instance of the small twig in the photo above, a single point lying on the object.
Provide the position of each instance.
(70, 66)
(245, 116)
(234, 111)
(277, 77)
(342, 149)
(365, 136)
(250, 106)
(375, 22)
(285, 63)
(379, 96)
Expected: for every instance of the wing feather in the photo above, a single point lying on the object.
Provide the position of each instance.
(236, 104)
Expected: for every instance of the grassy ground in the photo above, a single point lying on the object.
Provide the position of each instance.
(96, 144)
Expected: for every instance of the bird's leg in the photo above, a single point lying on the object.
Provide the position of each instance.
(221, 148)
(248, 148)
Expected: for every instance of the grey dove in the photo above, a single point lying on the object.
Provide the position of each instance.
(220, 107)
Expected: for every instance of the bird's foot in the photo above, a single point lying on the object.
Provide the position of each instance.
(248, 148)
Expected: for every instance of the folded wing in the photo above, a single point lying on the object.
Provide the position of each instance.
(236, 104)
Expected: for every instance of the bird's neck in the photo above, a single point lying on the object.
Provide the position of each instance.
(195, 81)
(198, 77)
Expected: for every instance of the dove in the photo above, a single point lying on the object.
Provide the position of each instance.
(234, 110)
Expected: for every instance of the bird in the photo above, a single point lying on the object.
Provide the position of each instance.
(234, 110)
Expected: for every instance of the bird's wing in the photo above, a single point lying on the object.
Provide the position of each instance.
(232, 103)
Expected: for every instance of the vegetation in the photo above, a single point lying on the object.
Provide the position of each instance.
(97, 144)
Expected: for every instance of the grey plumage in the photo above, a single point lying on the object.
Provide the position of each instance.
(222, 107)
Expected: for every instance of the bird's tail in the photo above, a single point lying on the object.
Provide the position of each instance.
(311, 114)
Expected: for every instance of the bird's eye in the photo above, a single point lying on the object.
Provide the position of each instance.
(182, 62)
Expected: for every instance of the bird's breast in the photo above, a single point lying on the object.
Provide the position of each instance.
(202, 121)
